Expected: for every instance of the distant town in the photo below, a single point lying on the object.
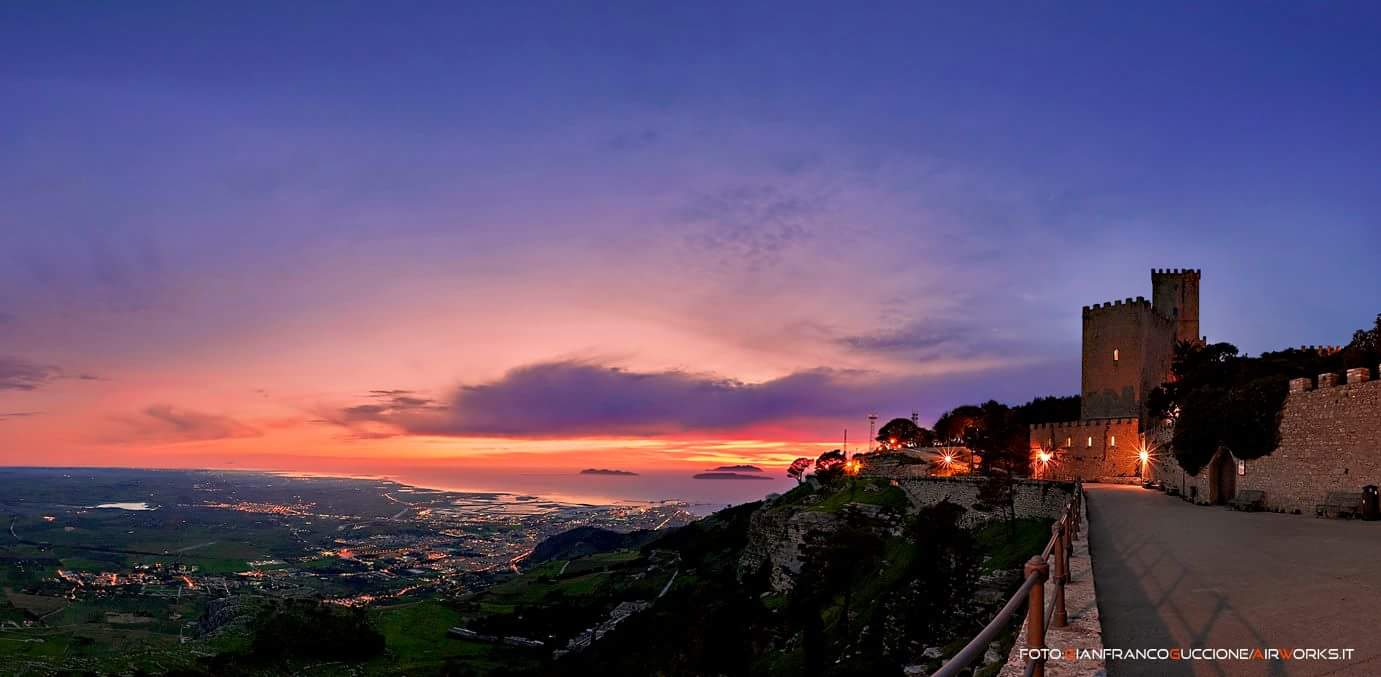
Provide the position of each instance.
(153, 551)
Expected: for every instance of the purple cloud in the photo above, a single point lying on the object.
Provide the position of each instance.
(166, 423)
(20, 374)
(578, 398)
(582, 398)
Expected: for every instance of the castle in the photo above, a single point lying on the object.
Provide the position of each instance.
(1128, 347)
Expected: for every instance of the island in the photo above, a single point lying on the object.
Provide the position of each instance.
(728, 476)
(608, 472)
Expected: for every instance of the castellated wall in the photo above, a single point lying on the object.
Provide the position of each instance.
(1127, 350)
(1104, 449)
(1330, 440)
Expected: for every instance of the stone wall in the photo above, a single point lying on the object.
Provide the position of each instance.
(1330, 440)
(1031, 498)
(1103, 449)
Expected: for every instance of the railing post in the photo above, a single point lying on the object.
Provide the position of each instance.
(1061, 572)
(1067, 540)
(1075, 506)
(1035, 612)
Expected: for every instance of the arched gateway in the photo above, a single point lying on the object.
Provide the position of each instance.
(1222, 478)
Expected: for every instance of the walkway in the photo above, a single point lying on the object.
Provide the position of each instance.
(1172, 574)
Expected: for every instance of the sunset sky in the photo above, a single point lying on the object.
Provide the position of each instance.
(336, 237)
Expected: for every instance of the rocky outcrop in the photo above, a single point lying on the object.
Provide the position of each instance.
(775, 539)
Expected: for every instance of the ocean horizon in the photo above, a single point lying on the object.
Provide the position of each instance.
(702, 496)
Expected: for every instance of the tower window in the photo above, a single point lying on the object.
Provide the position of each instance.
(1116, 354)
(1090, 441)
(1112, 440)
(1069, 441)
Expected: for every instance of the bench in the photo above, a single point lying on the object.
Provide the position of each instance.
(1249, 500)
(1340, 504)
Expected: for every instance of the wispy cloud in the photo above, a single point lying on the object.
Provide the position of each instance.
(169, 424)
(20, 374)
(751, 223)
(16, 414)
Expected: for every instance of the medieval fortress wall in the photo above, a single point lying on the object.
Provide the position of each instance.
(1128, 346)
(1105, 449)
(1330, 430)
(1330, 440)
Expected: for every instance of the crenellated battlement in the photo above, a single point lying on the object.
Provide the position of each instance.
(1086, 423)
(1194, 272)
(1321, 350)
(1138, 303)
(1326, 380)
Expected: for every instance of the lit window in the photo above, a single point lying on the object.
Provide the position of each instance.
(1116, 354)
(1090, 441)
(1112, 440)
(1069, 441)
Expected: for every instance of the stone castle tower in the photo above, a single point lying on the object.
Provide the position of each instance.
(1128, 346)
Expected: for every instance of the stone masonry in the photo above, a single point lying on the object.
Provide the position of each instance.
(1330, 440)
(1128, 346)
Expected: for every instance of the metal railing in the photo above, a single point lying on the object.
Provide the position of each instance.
(1032, 593)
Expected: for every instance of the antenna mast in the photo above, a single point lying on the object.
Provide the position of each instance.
(872, 423)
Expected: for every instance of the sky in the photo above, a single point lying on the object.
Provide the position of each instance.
(520, 237)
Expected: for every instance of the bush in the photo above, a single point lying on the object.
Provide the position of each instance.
(305, 629)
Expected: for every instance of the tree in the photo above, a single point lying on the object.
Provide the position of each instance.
(830, 466)
(1219, 398)
(1049, 409)
(903, 433)
(1001, 434)
(996, 495)
(940, 585)
(958, 425)
(834, 563)
(310, 629)
(798, 468)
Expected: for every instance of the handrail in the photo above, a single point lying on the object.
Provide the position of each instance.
(1032, 592)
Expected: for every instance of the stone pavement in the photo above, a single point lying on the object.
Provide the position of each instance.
(1081, 608)
(1172, 574)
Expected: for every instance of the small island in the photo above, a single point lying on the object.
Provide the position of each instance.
(728, 476)
(737, 468)
(608, 472)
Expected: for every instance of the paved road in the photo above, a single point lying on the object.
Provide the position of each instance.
(1172, 574)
